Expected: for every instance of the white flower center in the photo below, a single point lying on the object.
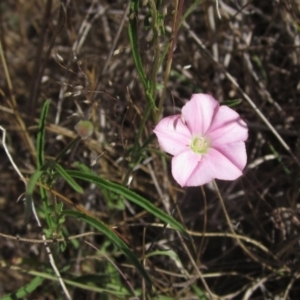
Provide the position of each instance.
(200, 145)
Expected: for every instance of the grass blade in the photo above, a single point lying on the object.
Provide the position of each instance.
(133, 38)
(62, 172)
(111, 290)
(24, 290)
(109, 233)
(41, 135)
(87, 175)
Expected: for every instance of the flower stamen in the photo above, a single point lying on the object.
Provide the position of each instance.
(200, 145)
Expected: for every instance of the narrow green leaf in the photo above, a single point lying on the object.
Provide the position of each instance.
(118, 292)
(109, 233)
(232, 103)
(129, 195)
(201, 294)
(29, 191)
(41, 135)
(133, 38)
(24, 290)
(62, 172)
(150, 98)
(189, 10)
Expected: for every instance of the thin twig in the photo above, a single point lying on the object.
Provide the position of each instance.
(38, 62)
(218, 9)
(9, 156)
(117, 36)
(258, 282)
(288, 289)
(13, 105)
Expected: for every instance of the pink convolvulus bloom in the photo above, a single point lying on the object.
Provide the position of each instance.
(206, 140)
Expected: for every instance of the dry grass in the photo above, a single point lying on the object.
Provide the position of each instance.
(74, 55)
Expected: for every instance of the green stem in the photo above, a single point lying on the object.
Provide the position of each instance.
(63, 152)
(177, 17)
(155, 28)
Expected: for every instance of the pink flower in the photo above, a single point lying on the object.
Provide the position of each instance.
(206, 140)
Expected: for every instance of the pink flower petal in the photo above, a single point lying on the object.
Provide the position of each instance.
(218, 166)
(198, 113)
(235, 153)
(173, 135)
(227, 127)
(183, 165)
(212, 165)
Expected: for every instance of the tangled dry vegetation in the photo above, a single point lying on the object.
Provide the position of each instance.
(78, 54)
